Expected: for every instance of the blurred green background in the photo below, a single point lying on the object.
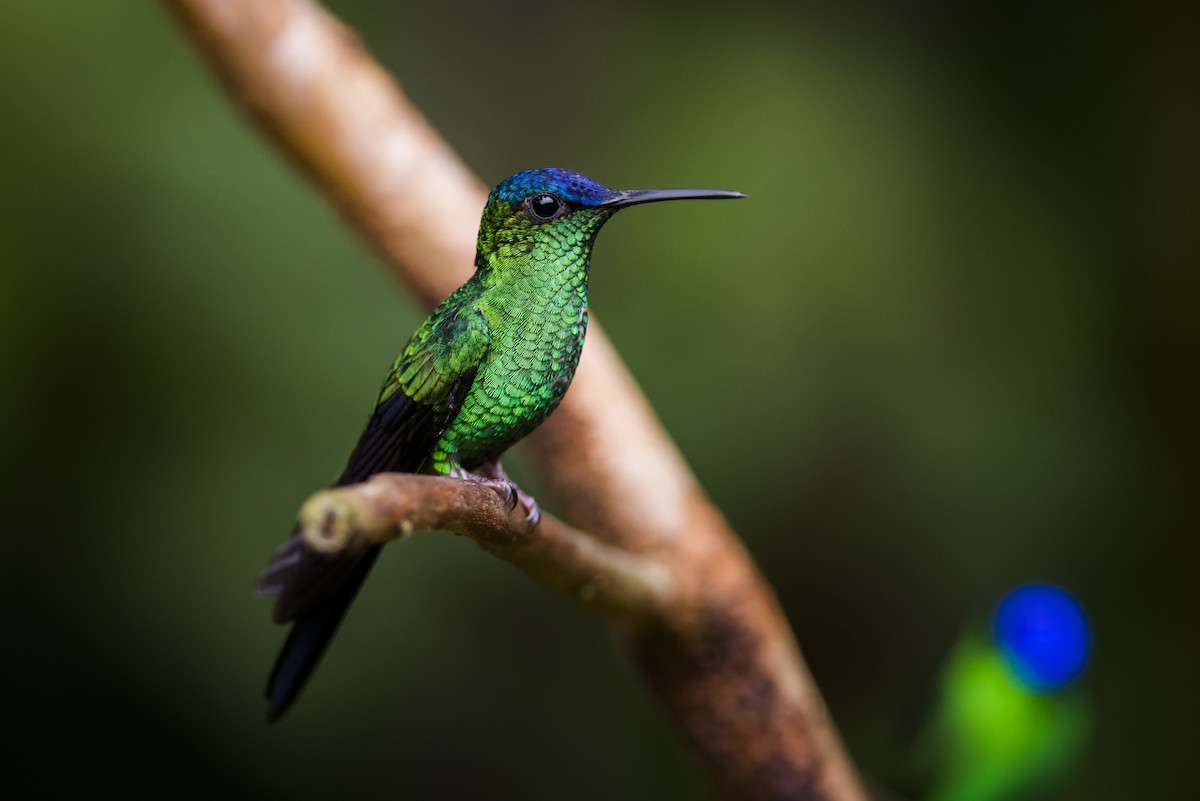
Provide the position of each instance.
(946, 347)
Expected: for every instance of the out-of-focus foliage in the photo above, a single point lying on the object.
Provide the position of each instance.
(947, 346)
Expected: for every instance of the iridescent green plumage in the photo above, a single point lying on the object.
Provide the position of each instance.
(530, 300)
(485, 369)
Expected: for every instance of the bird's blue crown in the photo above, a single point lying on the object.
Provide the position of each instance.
(572, 187)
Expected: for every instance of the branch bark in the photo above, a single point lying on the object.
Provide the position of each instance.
(619, 584)
(649, 550)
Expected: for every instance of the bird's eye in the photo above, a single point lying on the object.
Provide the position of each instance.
(544, 207)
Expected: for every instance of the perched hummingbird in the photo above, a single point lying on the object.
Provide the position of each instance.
(1007, 724)
(487, 367)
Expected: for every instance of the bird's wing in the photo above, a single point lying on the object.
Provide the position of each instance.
(418, 402)
(421, 396)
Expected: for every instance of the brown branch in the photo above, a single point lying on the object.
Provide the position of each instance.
(718, 651)
(615, 582)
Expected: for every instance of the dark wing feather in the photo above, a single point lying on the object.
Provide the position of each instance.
(316, 589)
(397, 439)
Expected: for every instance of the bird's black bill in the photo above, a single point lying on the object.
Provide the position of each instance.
(636, 196)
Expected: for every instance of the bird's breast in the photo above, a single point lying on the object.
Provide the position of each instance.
(536, 341)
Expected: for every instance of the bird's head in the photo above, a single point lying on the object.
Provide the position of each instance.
(550, 214)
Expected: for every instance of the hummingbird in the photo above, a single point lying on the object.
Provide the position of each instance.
(484, 370)
(1008, 722)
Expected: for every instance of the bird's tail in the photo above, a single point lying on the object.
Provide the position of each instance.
(314, 589)
(314, 592)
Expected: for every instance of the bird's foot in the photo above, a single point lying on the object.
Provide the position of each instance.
(492, 475)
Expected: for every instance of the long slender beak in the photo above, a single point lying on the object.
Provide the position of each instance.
(634, 196)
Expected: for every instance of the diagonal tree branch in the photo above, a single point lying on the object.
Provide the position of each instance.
(660, 560)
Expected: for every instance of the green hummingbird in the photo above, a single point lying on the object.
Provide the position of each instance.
(1008, 724)
(485, 369)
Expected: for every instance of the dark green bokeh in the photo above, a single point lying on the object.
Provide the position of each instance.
(947, 346)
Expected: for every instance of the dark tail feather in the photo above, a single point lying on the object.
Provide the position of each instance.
(309, 636)
(314, 589)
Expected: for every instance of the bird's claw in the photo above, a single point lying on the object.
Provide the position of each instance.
(512, 495)
(533, 514)
(515, 498)
(507, 491)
